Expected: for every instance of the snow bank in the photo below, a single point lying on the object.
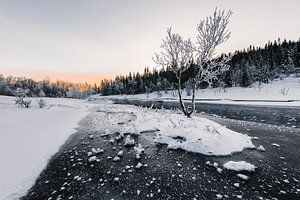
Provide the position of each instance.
(239, 166)
(266, 94)
(29, 137)
(195, 134)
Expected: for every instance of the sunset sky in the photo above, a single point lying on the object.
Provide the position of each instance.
(87, 40)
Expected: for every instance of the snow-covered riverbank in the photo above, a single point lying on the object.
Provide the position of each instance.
(284, 92)
(29, 137)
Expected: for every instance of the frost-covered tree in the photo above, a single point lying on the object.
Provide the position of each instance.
(42, 93)
(177, 54)
(73, 93)
(165, 85)
(180, 55)
(132, 84)
(235, 77)
(20, 98)
(119, 86)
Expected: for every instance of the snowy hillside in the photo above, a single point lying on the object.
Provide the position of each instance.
(29, 137)
(278, 92)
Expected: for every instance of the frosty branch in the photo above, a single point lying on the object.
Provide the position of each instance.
(180, 54)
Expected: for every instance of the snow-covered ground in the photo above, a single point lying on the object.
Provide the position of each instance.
(279, 92)
(195, 134)
(29, 137)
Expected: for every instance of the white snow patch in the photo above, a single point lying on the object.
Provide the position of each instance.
(194, 134)
(139, 150)
(197, 134)
(97, 151)
(117, 158)
(219, 170)
(236, 185)
(29, 137)
(129, 141)
(243, 176)
(92, 159)
(276, 145)
(116, 179)
(261, 148)
(139, 165)
(239, 166)
(120, 153)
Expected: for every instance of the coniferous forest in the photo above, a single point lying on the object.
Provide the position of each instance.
(254, 64)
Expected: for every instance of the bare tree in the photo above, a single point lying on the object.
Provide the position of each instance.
(177, 53)
(212, 32)
(180, 54)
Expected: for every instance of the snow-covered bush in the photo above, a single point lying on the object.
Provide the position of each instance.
(42, 93)
(20, 101)
(73, 93)
(42, 103)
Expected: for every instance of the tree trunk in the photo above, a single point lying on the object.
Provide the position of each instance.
(190, 112)
(183, 108)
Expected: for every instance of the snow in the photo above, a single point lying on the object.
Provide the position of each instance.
(139, 165)
(243, 176)
(239, 166)
(276, 145)
(261, 148)
(236, 185)
(139, 150)
(129, 141)
(266, 94)
(169, 127)
(97, 151)
(120, 153)
(116, 179)
(195, 134)
(117, 158)
(92, 159)
(29, 137)
(219, 170)
(26, 149)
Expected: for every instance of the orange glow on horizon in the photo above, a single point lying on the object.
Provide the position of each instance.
(73, 77)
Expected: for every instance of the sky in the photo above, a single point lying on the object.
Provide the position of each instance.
(88, 40)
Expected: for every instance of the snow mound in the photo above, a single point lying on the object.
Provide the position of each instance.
(239, 166)
(195, 134)
(177, 131)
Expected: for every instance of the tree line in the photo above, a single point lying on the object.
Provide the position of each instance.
(254, 64)
(11, 85)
